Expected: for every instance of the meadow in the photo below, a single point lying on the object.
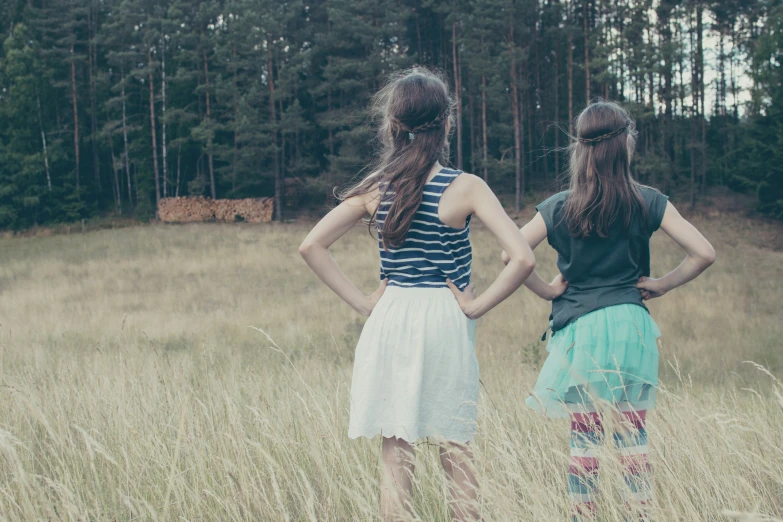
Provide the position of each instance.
(201, 372)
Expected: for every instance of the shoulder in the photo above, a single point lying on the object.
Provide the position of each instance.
(656, 203)
(551, 207)
(467, 180)
(553, 203)
(466, 184)
(368, 200)
(469, 194)
(651, 193)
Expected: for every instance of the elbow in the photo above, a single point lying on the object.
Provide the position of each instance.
(306, 248)
(530, 266)
(709, 257)
(525, 264)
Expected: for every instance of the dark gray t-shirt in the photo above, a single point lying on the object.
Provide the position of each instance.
(600, 272)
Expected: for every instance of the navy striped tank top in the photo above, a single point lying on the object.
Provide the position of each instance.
(433, 251)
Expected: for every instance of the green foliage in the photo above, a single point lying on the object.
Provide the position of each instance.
(257, 91)
(761, 150)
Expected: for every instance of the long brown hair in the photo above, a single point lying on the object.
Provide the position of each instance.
(602, 188)
(413, 111)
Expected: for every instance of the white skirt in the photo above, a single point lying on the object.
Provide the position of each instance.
(415, 373)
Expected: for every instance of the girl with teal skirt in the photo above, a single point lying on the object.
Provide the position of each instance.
(603, 352)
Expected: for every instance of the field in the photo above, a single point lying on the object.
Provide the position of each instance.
(201, 372)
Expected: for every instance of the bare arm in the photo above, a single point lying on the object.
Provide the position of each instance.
(315, 251)
(485, 205)
(534, 233)
(700, 255)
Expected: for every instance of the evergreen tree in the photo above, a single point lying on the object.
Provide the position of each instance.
(109, 106)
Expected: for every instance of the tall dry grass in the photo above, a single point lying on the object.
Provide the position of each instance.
(132, 386)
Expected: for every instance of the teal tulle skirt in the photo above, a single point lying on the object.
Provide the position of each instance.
(608, 357)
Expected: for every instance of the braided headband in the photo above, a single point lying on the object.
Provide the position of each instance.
(599, 139)
(424, 127)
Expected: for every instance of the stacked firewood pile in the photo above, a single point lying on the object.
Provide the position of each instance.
(185, 210)
(197, 209)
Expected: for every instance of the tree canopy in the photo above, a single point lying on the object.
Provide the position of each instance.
(106, 106)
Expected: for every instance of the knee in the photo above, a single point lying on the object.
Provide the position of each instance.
(455, 458)
(397, 452)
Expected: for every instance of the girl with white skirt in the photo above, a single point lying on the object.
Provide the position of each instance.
(415, 372)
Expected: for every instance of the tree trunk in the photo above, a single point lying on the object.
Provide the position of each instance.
(279, 181)
(116, 180)
(650, 74)
(664, 12)
(587, 51)
(213, 191)
(179, 164)
(283, 155)
(694, 117)
(330, 138)
(538, 102)
(703, 112)
(329, 105)
(484, 125)
(472, 127)
(681, 71)
(236, 127)
(152, 129)
(524, 110)
(125, 139)
(75, 122)
(621, 44)
(570, 68)
(164, 147)
(457, 93)
(92, 56)
(443, 43)
(733, 75)
(722, 75)
(136, 182)
(602, 24)
(43, 142)
(517, 124)
(418, 31)
(557, 105)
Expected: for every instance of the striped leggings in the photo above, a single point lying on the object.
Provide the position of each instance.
(630, 440)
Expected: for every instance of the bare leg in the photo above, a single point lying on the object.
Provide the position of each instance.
(457, 461)
(396, 474)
